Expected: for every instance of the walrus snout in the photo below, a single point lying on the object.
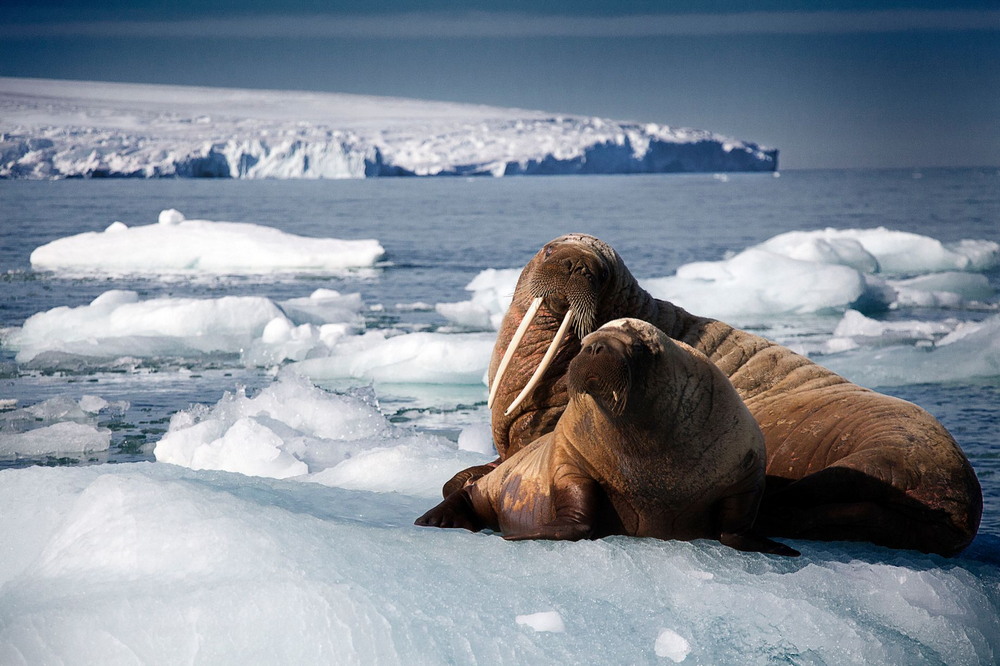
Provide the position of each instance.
(570, 277)
(602, 369)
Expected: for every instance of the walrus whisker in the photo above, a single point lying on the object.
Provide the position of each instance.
(546, 360)
(529, 316)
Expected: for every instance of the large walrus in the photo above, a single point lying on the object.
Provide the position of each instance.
(654, 442)
(843, 462)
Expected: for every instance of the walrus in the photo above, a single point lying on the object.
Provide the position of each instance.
(654, 442)
(843, 462)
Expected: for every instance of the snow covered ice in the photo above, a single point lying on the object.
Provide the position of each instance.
(178, 245)
(63, 129)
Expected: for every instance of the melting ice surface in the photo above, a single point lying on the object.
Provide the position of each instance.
(276, 524)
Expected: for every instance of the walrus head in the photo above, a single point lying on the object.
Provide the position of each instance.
(569, 276)
(612, 362)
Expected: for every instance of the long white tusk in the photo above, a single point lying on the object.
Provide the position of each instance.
(512, 347)
(544, 365)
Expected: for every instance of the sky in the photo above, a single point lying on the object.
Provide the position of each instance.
(830, 83)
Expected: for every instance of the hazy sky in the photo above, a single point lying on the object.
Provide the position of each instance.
(835, 83)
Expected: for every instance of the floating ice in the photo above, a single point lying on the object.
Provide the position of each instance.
(803, 272)
(67, 437)
(872, 332)
(117, 324)
(477, 438)
(492, 291)
(154, 563)
(177, 245)
(672, 645)
(942, 290)
(422, 358)
(292, 428)
(885, 251)
(544, 621)
(970, 351)
(759, 282)
(59, 425)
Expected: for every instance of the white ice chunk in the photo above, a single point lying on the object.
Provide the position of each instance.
(477, 438)
(971, 351)
(543, 621)
(940, 290)
(672, 645)
(65, 437)
(872, 331)
(177, 245)
(423, 358)
(325, 306)
(292, 428)
(896, 252)
(492, 291)
(170, 216)
(756, 282)
(118, 324)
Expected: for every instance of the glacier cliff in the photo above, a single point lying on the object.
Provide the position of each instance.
(75, 129)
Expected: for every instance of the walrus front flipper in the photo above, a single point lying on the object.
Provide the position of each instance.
(456, 510)
(467, 476)
(755, 543)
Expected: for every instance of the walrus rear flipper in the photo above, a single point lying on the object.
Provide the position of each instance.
(844, 504)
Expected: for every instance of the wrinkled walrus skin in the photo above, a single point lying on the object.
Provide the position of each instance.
(654, 442)
(843, 462)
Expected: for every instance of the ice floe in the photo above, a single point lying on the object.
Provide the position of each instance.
(295, 429)
(156, 563)
(59, 425)
(176, 245)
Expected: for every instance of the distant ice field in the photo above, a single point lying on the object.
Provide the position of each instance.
(279, 422)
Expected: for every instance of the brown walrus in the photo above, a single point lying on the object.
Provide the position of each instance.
(843, 462)
(654, 442)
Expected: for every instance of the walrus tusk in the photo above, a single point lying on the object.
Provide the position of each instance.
(529, 316)
(546, 360)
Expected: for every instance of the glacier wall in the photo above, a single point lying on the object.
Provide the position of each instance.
(55, 129)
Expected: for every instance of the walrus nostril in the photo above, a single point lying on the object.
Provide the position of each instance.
(595, 348)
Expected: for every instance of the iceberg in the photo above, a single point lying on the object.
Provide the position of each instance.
(176, 245)
(73, 129)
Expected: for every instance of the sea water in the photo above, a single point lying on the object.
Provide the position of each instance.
(95, 540)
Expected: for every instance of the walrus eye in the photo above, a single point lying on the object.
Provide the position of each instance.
(549, 250)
